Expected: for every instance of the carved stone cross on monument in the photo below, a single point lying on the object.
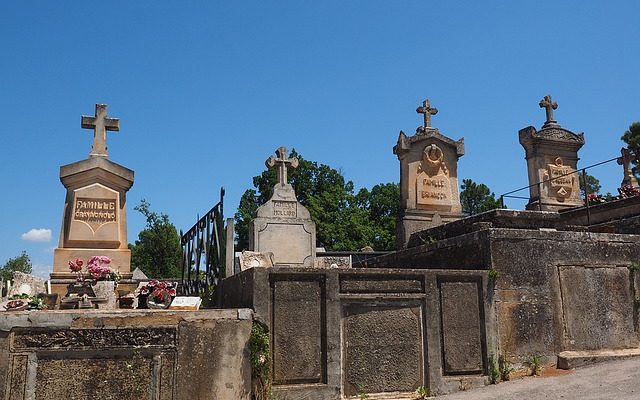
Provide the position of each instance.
(427, 111)
(100, 124)
(625, 160)
(549, 105)
(282, 163)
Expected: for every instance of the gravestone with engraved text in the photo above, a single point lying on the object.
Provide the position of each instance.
(428, 178)
(552, 157)
(283, 226)
(94, 220)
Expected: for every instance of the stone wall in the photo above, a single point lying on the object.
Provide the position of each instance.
(559, 286)
(335, 332)
(125, 355)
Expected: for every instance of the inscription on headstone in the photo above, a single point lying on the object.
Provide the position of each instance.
(285, 209)
(95, 211)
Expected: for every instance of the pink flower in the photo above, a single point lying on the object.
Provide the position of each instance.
(75, 265)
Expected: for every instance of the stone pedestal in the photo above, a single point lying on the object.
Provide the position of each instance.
(552, 157)
(428, 181)
(94, 220)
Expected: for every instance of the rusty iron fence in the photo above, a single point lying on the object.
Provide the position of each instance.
(203, 252)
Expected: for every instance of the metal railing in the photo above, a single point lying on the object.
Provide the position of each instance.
(582, 180)
(203, 252)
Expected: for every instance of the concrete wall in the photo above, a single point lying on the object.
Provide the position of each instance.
(125, 355)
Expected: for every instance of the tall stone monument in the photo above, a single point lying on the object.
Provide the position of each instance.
(552, 158)
(282, 225)
(428, 178)
(94, 220)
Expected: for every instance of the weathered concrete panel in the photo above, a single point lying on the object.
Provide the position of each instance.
(383, 347)
(462, 328)
(90, 379)
(298, 322)
(597, 304)
(381, 284)
(18, 379)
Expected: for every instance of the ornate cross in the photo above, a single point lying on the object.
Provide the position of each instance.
(625, 161)
(100, 124)
(282, 163)
(427, 111)
(549, 105)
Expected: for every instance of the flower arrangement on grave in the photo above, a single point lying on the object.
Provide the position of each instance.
(159, 292)
(97, 267)
(25, 302)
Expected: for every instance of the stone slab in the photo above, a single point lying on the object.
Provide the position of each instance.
(299, 354)
(95, 216)
(383, 347)
(291, 242)
(577, 359)
(462, 328)
(108, 379)
(596, 304)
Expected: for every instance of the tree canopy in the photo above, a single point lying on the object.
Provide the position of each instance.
(476, 198)
(157, 250)
(632, 138)
(592, 183)
(21, 263)
(344, 220)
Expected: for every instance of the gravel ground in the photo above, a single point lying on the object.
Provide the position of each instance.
(619, 380)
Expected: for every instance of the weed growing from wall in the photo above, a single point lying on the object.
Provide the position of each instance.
(260, 357)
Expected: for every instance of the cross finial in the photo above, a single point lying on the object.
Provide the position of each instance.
(625, 160)
(427, 111)
(282, 163)
(100, 124)
(549, 105)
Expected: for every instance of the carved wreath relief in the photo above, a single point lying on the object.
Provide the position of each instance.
(561, 180)
(433, 186)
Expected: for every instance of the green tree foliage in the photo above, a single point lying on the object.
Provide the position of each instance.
(632, 138)
(21, 263)
(157, 250)
(593, 185)
(476, 198)
(344, 220)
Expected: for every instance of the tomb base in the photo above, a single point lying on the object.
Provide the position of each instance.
(418, 220)
(120, 259)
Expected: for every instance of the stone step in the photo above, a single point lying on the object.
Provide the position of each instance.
(576, 359)
(389, 396)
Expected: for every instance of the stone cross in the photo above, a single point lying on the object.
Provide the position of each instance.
(625, 161)
(427, 111)
(282, 163)
(549, 105)
(100, 124)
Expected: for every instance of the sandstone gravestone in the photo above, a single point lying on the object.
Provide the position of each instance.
(26, 284)
(552, 157)
(283, 226)
(428, 178)
(94, 220)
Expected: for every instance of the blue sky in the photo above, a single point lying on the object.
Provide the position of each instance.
(206, 91)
